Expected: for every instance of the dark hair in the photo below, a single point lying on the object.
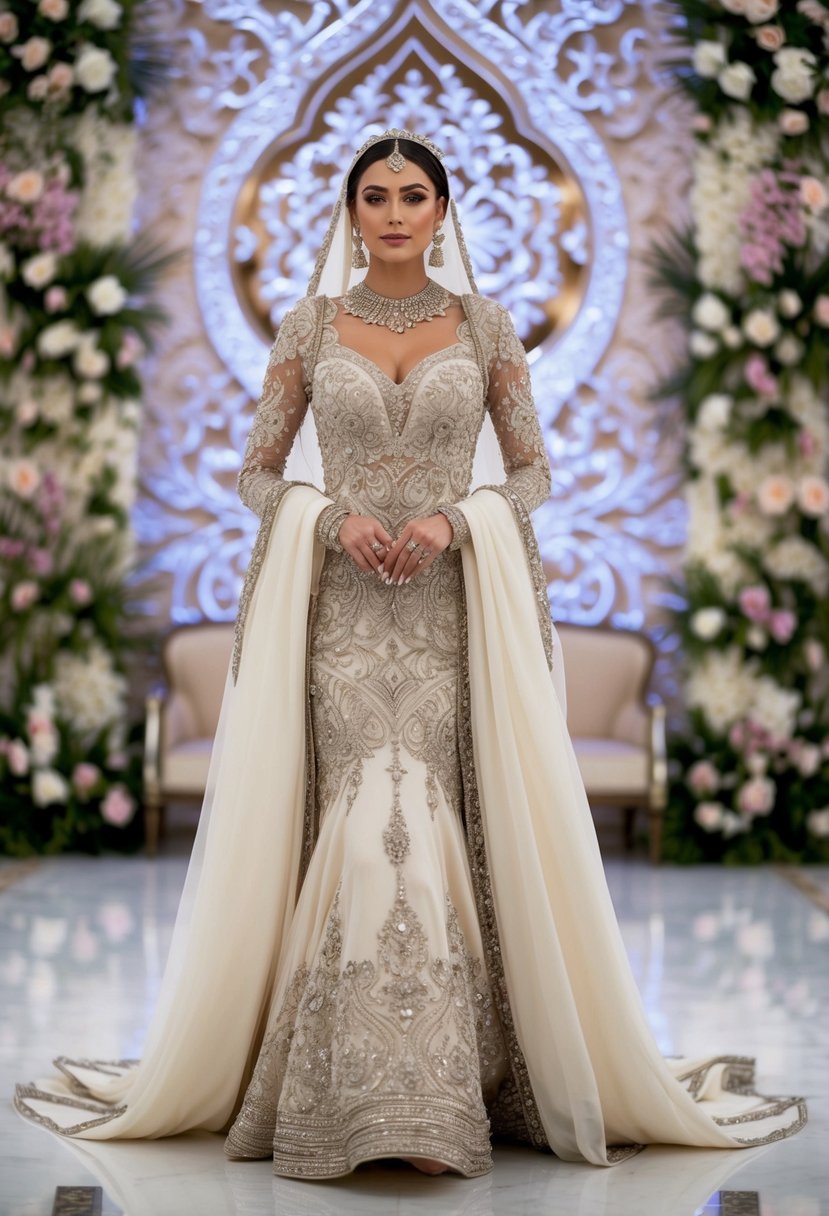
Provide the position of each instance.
(416, 152)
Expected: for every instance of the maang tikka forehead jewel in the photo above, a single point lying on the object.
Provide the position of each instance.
(396, 161)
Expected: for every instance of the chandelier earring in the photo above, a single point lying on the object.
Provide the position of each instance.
(358, 256)
(436, 255)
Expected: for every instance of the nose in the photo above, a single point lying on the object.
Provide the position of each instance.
(394, 214)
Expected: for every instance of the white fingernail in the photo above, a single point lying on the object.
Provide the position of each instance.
(380, 569)
(401, 581)
(409, 579)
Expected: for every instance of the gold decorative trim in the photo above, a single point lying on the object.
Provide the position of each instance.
(17, 870)
(813, 891)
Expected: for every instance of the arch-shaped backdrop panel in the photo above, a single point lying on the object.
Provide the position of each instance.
(567, 153)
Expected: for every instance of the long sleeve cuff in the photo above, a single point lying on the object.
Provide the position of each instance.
(460, 528)
(330, 521)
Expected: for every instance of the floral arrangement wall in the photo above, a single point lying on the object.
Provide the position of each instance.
(74, 319)
(751, 278)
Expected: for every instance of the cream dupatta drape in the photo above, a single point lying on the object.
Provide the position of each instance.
(597, 1077)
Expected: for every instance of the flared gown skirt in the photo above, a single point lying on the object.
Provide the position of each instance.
(383, 1039)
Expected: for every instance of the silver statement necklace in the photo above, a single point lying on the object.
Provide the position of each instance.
(397, 315)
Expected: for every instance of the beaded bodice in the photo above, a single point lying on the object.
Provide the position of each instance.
(396, 450)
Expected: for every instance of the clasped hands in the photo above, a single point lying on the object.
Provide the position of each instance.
(371, 547)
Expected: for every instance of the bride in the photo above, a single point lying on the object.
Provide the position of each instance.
(395, 937)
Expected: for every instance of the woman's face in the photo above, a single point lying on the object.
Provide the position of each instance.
(398, 213)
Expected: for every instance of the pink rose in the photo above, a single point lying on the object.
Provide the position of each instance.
(823, 101)
(759, 377)
(84, 777)
(8, 27)
(755, 602)
(703, 777)
(118, 807)
(55, 299)
(131, 349)
(756, 796)
(737, 736)
(17, 755)
(770, 37)
(38, 88)
(806, 443)
(80, 592)
(33, 53)
(782, 624)
(822, 310)
(40, 561)
(8, 340)
(793, 122)
(55, 10)
(61, 78)
(709, 816)
(28, 361)
(701, 123)
(24, 595)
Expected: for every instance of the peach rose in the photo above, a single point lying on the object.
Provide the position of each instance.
(61, 78)
(813, 193)
(822, 100)
(822, 310)
(770, 37)
(24, 478)
(761, 10)
(813, 496)
(775, 494)
(24, 595)
(26, 187)
(793, 122)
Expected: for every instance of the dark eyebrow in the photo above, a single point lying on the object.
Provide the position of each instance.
(403, 189)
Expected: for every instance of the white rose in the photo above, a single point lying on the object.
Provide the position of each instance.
(710, 312)
(88, 360)
(59, 339)
(815, 654)
(702, 344)
(89, 393)
(737, 81)
(757, 638)
(789, 350)
(714, 412)
(761, 327)
(106, 295)
(94, 69)
(709, 58)
(706, 623)
(732, 338)
(6, 262)
(38, 271)
(818, 822)
(758, 11)
(793, 78)
(105, 14)
(735, 6)
(789, 303)
(48, 786)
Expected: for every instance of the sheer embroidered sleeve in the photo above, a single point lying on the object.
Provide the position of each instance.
(512, 409)
(279, 414)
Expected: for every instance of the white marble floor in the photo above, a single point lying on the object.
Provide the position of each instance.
(727, 961)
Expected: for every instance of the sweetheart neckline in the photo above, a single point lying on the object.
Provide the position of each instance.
(457, 345)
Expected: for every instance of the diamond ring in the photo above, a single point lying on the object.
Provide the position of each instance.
(412, 545)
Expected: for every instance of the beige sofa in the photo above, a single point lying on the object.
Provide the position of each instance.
(618, 731)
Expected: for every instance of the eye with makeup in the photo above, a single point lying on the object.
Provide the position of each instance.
(407, 198)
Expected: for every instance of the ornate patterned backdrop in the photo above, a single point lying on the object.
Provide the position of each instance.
(570, 152)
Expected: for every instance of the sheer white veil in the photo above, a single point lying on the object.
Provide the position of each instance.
(333, 275)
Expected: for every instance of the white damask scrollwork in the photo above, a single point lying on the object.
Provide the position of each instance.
(580, 84)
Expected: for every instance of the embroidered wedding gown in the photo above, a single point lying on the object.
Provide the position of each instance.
(395, 932)
(383, 1036)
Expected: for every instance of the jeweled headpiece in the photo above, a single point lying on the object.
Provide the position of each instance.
(396, 161)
